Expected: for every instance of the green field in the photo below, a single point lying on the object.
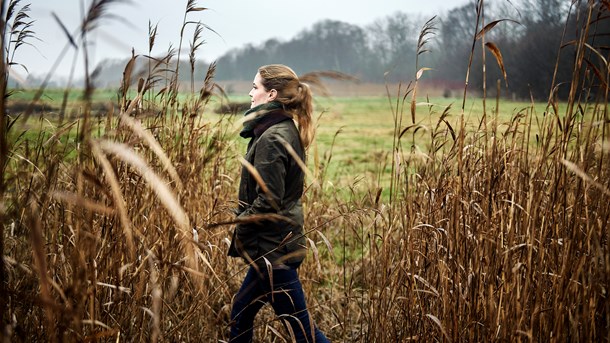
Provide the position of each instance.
(354, 136)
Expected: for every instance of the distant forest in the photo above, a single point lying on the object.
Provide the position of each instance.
(527, 34)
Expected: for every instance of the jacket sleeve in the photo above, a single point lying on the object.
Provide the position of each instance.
(270, 161)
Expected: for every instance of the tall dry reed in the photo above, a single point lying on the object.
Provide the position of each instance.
(491, 233)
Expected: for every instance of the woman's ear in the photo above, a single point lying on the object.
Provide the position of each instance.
(272, 94)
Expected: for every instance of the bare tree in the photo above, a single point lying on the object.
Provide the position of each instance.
(393, 41)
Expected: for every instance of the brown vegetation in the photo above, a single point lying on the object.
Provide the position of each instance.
(117, 230)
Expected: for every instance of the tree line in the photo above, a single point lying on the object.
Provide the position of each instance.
(529, 41)
(531, 38)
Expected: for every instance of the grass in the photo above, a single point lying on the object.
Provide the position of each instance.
(473, 225)
(363, 127)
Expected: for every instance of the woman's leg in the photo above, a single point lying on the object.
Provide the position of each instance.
(288, 301)
(248, 301)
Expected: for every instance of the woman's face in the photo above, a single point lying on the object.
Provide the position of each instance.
(259, 95)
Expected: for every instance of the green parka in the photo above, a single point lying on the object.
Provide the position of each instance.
(280, 239)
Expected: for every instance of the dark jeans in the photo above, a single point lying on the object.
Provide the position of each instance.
(287, 300)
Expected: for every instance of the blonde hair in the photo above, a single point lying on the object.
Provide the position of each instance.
(293, 94)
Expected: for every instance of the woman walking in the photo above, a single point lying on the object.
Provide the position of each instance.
(270, 237)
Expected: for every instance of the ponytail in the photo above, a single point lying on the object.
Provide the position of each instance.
(303, 113)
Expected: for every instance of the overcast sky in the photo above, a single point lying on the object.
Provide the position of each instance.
(237, 23)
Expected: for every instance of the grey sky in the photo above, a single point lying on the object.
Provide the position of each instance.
(238, 23)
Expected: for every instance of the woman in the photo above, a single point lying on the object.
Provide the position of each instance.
(270, 234)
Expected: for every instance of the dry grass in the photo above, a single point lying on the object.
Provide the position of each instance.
(488, 235)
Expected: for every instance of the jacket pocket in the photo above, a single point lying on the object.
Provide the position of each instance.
(292, 246)
(245, 242)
